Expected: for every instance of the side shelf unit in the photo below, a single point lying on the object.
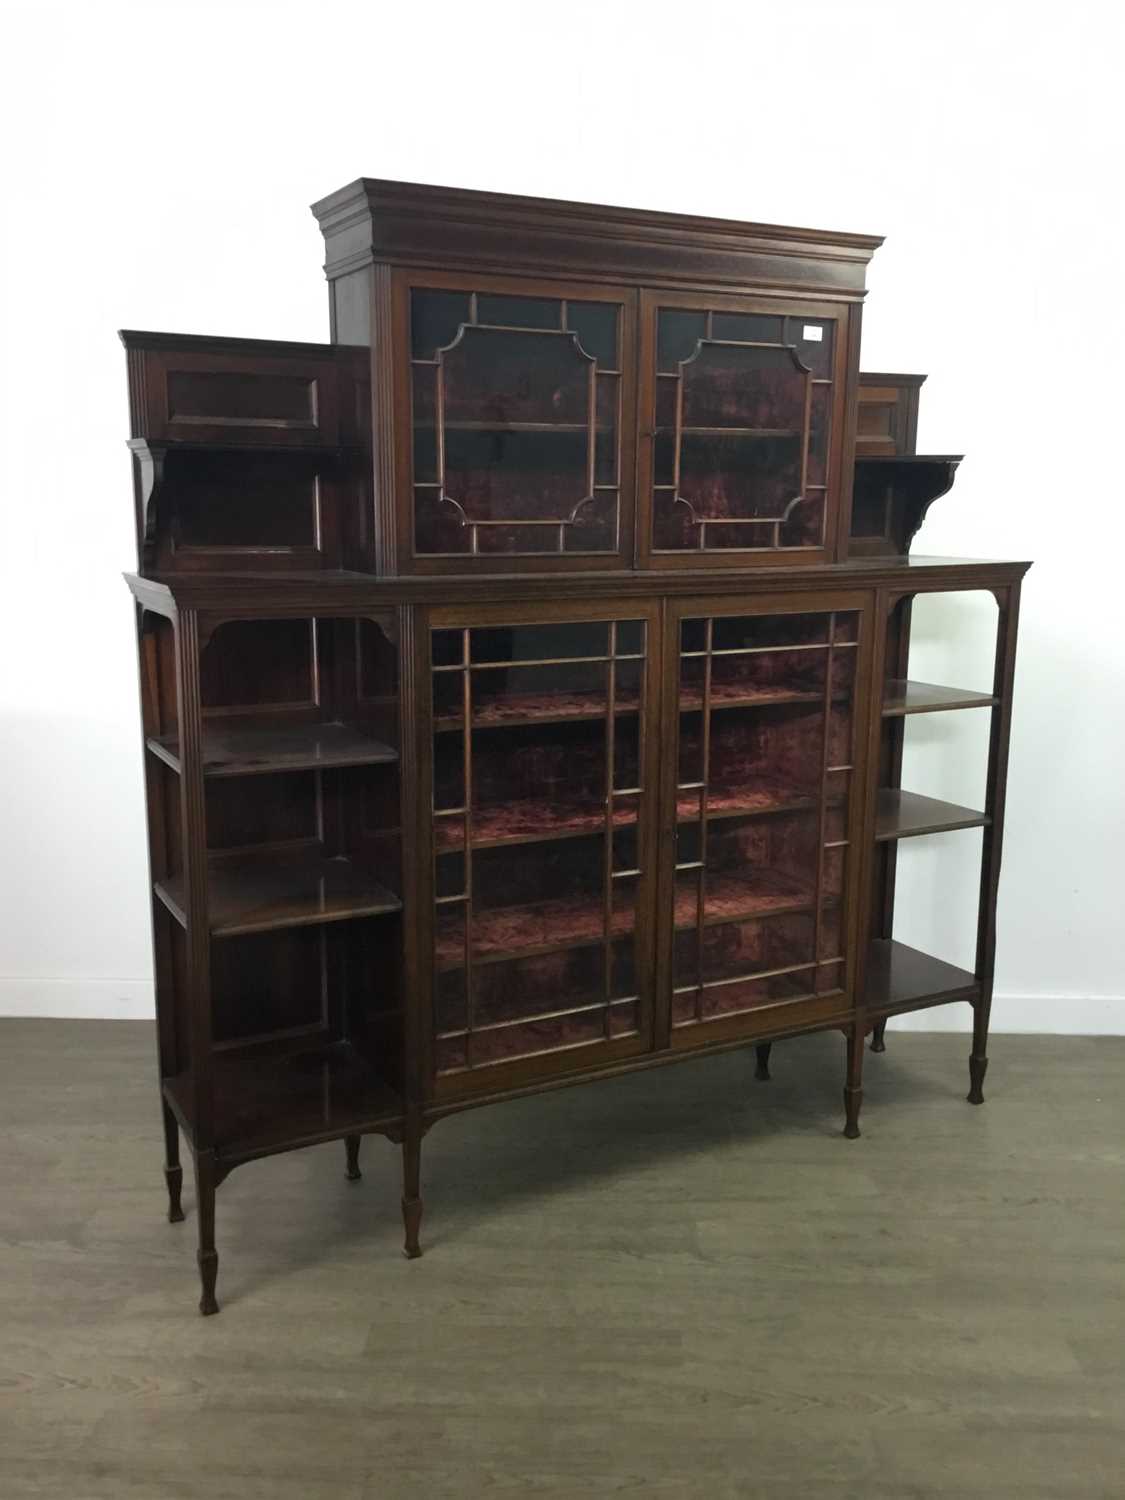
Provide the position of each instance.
(900, 978)
(272, 770)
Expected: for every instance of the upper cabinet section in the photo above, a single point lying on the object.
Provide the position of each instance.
(561, 386)
(249, 454)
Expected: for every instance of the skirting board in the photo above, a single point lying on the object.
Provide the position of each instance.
(78, 999)
(132, 1000)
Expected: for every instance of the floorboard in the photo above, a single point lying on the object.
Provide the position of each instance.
(683, 1283)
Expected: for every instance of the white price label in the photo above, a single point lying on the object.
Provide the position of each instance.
(812, 334)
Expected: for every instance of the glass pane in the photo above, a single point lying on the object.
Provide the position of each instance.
(736, 386)
(812, 338)
(595, 525)
(819, 418)
(545, 942)
(519, 312)
(747, 328)
(805, 526)
(595, 323)
(435, 318)
(742, 430)
(536, 642)
(739, 477)
(677, 336)
(516, 434)
(437, 526)
(762, 844)
(605, 460)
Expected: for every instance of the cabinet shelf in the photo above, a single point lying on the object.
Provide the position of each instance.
(752, 432)
(497, 426)
(290, 747)
(276, 1101)
(903, 697)
(520, 822)
(540, 708)
(517, 932)
(759, 798)
(260, 895)
(740, 695)
(903, 978)
(904, 815)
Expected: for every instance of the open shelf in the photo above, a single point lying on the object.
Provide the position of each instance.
(271, 1101)
(515, 709)
(262, 895)
(903, 815)
(903, 697)
(266, 443)
(290, 747)
(515, 932)
(901, 978)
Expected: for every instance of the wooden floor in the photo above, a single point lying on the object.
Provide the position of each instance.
(683, 1283)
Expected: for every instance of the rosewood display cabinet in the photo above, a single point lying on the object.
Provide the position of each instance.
(524, 675)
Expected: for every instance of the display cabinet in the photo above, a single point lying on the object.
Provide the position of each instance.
(522, 686)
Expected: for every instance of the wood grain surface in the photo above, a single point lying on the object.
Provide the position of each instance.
(677, 1284)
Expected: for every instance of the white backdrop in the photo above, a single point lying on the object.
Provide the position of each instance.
(160, 160)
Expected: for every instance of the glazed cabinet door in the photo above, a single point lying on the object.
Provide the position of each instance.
(742, 424)
(540, 832)
(515, 422)
(763, 789)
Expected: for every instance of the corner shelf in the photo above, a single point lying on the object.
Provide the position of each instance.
(902, 697)
(275, 1101)
(260, 895)
(292, 747)
(902, 978)
(904, 815)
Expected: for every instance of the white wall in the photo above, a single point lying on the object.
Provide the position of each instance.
(161, 158)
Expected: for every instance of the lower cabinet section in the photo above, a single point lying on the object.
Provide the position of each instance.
(637, 840)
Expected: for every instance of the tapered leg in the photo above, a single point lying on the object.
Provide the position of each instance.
(351, 1143)
(173, 1172)
(853, 1088)
(762, 1054)
(978, 1062)
(205, 1182)
(878, 1043)
(411, 1187)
